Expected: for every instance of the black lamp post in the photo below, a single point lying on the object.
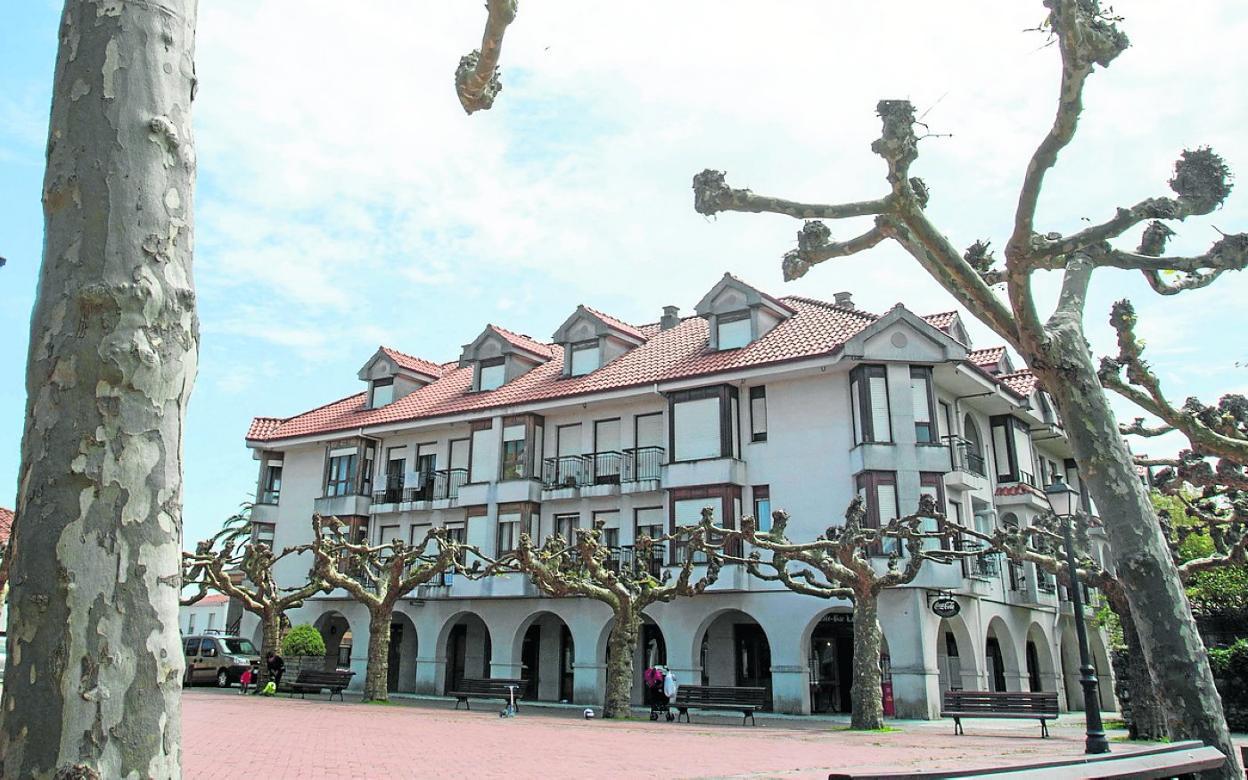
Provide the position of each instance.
(1062, 500)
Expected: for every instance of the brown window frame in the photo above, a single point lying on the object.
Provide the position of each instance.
(758, 393)
(862, 375)
(726, 394)
(932, 425)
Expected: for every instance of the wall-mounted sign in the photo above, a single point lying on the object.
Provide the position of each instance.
(946, 607)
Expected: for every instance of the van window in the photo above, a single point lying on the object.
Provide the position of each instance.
(192, 647)
(209, 649)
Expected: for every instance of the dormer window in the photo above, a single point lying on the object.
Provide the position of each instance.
(734, 330)
(586, 357)
(491, 374)
(381, 393)
(737, 314)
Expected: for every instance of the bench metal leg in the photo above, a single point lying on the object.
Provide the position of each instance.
(682, 711)
(748, 715)
(957, 726)
(1044, 728)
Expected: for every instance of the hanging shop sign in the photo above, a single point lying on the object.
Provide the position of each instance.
(946, 607)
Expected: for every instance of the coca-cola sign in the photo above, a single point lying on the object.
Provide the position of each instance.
(946, 607)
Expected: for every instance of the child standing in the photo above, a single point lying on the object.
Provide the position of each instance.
(244, 680)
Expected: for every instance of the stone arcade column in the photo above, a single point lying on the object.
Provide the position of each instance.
(910, 631)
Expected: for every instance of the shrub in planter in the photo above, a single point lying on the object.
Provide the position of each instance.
(303, 647)
(303, 640)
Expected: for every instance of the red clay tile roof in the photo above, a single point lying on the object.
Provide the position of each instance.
(526, 343)
(1022, 382)
(413, 363)
(1019, 489)
(6, 524)
(817, 329)
(986, 357)
(612, 322)
(941, 321)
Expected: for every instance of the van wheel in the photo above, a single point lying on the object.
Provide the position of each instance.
(223, 679)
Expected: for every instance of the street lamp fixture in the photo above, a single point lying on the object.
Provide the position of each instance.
(1063, 500)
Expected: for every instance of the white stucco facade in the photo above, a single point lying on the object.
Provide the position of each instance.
(1013, 631)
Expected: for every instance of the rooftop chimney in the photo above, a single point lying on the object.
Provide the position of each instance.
(671, 317)
(845, 300)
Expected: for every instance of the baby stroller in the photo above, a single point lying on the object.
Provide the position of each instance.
(657, 681)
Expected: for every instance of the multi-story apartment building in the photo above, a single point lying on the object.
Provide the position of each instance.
(754, 403)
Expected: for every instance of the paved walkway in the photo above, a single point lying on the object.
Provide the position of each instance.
(225, 735)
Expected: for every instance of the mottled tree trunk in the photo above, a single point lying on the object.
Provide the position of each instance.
(93, 681)
(1147, 719)
(866, 703)
(1173, 649)
(622, 645)
(377, 674)
(270, 639)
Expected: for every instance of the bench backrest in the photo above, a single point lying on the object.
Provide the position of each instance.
(492, 686)
(715, 695)
(323, 677)
(1043, 703)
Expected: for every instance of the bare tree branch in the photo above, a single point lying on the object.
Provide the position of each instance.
(476, 79)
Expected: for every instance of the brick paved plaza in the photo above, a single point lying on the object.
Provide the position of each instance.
(230, 736)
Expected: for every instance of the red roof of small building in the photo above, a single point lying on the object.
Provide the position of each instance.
(413, 363)
(817, 329)
(1019, 489)
(986, 357)
(6, 524)
(212, 600)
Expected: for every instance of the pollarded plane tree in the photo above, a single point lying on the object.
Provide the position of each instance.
(844, 563)
(1055, 349)
(588, 568)
(94, 677)
(232, 563)
(378, 576)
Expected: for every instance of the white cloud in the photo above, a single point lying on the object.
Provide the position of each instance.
(346, 193)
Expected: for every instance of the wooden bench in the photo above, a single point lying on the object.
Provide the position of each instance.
(1002, 704)
(710, 697)
(1180, 759)
(491, 688)
(315, 681)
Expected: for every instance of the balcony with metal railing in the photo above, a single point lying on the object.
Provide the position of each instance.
(985, 565)
(602, 473)
(969, 470)
(447, 482)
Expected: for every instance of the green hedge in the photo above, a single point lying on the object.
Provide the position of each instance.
(303, 640)
(1230, 672)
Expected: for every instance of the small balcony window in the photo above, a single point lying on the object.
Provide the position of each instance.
(921, 399)
(758, 413)
(586, 358)
(734, 330)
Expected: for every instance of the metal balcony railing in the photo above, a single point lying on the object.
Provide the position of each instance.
(606, 468)
(447, 482)
(269, 496)
(982, 565)
(643, 463)
(963, 456)
(1046, 583)
(422, 490)
(391, 495)
(602, 468)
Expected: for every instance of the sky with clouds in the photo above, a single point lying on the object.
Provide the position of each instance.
(346, 201)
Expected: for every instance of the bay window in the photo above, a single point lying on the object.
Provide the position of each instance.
(340, 476)
(514, 520)
(1011, 444)
(704, 423)
(513, 452)
(648, 521)
(271, 481)
(480, 450)
(878, 491)
(762, 507)
(686, 505)
(868, 392)
(933, 485)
